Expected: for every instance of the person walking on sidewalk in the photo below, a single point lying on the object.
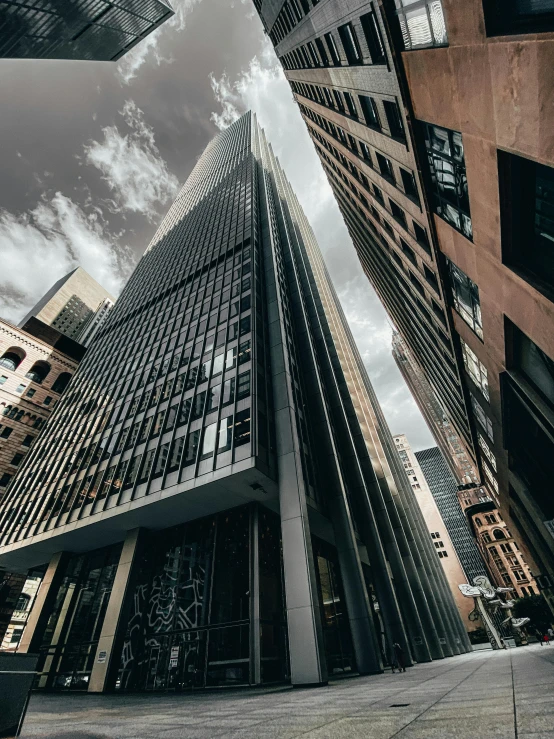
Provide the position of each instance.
(399, 657)
(538, 634)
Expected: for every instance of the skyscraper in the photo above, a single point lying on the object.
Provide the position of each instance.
(445, 492)
(223, 415)
(437, 142)
(76, 305)
(448, 441)
(101, 30)
(438, 531)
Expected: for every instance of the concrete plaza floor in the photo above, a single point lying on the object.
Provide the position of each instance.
(500, 695)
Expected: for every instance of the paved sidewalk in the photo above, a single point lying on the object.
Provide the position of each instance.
(483, 695)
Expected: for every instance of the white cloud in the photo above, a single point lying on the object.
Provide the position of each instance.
(263, 88)
(149, 48)
(43, 245)
(132, 166)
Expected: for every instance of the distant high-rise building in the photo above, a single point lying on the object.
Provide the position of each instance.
(445, 181)
(445, 492)
(449, 443)
(222, 416)
(97, 30)
(76, 305)
(436, 526)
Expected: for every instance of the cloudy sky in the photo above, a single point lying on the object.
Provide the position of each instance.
(93, 154)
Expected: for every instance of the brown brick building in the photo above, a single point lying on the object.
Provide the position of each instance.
(433, 122)
(35, 367)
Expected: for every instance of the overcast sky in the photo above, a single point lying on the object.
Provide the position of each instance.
(94, 153)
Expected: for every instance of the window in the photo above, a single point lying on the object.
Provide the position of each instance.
(20, 388)
(198, 405)
(244, 352)
(431, 278)
(478, 522)
(242, 427)
(385, 166)
(409, 184)
(378, 194)
(6, 431)
(30, 393)
(394, 120)
(372, 33)
(505, 17)
(421, 23)
(369, 109)
(243, 388)
(421, 236)
(482, 417)
(28, 440)
(161, 460)
(61, 382)
(225, 434)
(409, 252)
(332, 48)
(38, 371)
(175, 454)
(490, 456)
(398, 214)
(527, 219)
(12, 358)
(4, 480)
(47, 400)
(322, 52)
(209, 440)
(506, 580)
(191, 448)
(228, 391)
(350, 43)
(475, 369)
(449, 191)
(528, 359)
(351, 105)
(486, 538)
(3, 379)
(465, 296)
(16, 459)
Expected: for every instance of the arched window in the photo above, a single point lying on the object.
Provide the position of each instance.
(498, 534)
(478, 522)
(6, 410)
(38, 371)
(12, 358)
(62, 381)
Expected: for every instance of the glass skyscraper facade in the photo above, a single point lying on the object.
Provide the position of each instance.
(217, 494)
(95, 30)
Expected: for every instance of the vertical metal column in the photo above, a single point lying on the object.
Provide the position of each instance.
(255, 626)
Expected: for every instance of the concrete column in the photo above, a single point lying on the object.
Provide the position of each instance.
(105, 653)
(306, 645)
(47, 592)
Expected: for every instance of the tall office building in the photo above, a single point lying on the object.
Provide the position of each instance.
(445, 492)
(97, 30)
(448, 441)
(437, 142)
(437, 530)
(76, 305)
(222, 416)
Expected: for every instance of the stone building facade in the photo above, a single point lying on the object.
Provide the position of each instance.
(503, 556)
